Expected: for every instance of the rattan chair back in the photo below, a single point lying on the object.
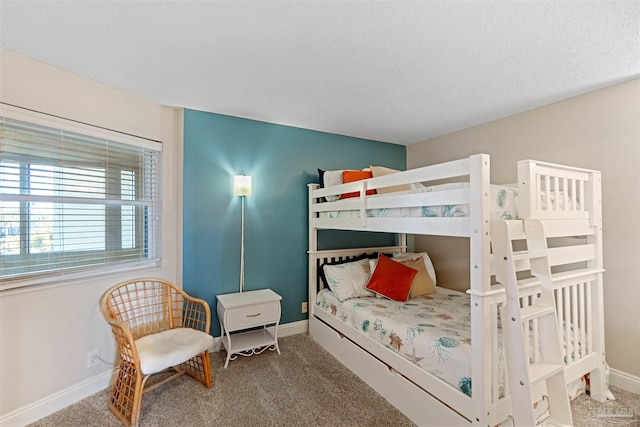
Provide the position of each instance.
(146, 307)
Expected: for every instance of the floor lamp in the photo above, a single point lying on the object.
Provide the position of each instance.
(242, 188)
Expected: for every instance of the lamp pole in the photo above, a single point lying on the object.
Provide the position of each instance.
(242, 247)
(242, 188)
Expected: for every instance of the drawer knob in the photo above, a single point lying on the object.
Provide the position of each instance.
(254, 315)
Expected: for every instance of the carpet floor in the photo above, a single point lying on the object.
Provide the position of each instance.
(304, 386)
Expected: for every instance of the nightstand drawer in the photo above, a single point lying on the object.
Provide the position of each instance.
(253, 315)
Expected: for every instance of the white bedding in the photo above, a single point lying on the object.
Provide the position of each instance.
(503, 205)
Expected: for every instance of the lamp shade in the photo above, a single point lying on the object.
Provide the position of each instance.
(241, 185)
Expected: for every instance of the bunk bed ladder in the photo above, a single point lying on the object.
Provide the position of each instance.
(535, 366)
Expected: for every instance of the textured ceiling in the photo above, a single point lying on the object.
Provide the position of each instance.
(393, 71)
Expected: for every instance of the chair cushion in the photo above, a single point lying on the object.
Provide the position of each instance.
(165, 349)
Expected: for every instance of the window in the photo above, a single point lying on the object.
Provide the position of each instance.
(74, 197)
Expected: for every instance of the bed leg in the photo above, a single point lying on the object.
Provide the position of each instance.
(597, 384)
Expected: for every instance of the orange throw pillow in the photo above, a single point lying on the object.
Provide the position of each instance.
(352, 176)
(391, 279)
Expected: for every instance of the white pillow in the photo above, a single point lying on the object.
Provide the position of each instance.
(428, 265)
(349, 280)
(330, 179)
(373, 263)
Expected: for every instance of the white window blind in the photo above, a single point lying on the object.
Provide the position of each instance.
(74, 197)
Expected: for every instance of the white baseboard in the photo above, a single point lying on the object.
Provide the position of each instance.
(624, 381)
(293, 328)
(60, 400)
(57, 401)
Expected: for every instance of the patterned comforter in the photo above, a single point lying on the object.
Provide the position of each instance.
(432, 331)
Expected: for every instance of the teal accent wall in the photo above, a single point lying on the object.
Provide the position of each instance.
(281, 160)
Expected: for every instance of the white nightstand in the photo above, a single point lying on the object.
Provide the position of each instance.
(246, 310)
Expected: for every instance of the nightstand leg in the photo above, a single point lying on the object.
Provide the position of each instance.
(224, 332)
(275, 336)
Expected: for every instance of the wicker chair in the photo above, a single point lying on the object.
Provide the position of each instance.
(157, 328)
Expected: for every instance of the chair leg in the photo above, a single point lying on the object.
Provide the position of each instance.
(126, 394)
(199, 368)
(137, 401)
(206, 363)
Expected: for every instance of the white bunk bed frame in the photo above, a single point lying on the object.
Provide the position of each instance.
(424, 398)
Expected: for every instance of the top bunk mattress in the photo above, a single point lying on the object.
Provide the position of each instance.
(503, 201)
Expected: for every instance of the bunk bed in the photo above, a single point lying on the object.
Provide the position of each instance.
(568, 202)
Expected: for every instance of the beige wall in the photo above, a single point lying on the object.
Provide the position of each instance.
(45, 332)
(599, 130)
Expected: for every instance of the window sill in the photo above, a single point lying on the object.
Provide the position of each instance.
(49, 281)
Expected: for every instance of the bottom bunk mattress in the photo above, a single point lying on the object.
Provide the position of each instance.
(432, 331)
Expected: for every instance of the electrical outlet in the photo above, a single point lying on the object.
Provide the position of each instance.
(304, 307)
(92, 358)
